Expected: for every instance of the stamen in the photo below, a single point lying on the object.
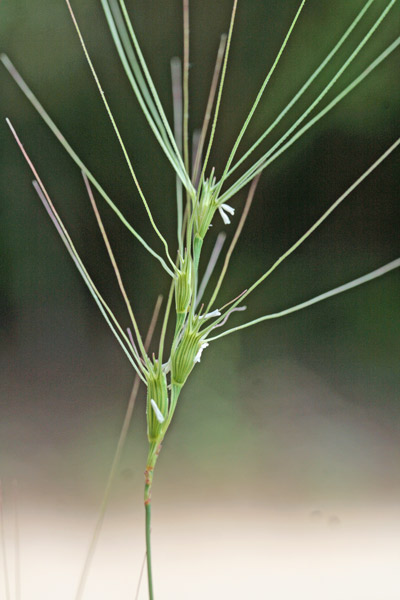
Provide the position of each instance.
(228, 208)
(224, 216)
(210, 315)
(223, 209)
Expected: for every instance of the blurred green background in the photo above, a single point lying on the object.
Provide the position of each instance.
(299, 409)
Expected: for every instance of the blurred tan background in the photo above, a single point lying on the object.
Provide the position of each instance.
(280, 475)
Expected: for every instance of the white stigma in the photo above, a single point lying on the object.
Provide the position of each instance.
(159, 416)
(197, 358)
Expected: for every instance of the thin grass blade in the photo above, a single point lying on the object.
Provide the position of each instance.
(115, 266)
(118, 135)
(115, 462)
(220, 90)
(125, 51)
(259, 95)
(219, 243)
(177, 102)
(105, 309)
(54, 129)
(235, 238)
(306, 85)
(316, 224)
(152, 86)
(331, 83)
(185, 85)
(209, 107)
(395, 264)
(262, 163)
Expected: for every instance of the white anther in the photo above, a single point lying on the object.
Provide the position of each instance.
(229, 209)
(223, 209)
(224, 216)
(159, 416)
(214, 313)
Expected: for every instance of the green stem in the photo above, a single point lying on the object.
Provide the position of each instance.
(148, 550)
(154, 451)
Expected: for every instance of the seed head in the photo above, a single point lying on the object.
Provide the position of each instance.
(184, 357)
(157, 401)
(184, 285)
(206, 208)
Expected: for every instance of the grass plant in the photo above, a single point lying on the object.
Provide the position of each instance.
(193, 317)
